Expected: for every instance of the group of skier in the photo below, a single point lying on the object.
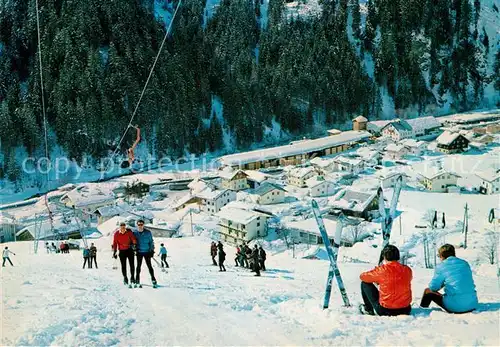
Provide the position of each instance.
(90, 256)
(254, 259)
(130, 244)
(394, 296)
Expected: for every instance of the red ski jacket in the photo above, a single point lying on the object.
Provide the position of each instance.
(394, 280)
(123, 241)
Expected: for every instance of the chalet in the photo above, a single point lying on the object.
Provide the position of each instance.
(413, 146)
(323, 165)
(184, 201)
(255, 178)
(490, 182)
(59, 229)
(299, 176)
(269, 193)
(388, 178)
(233, 179)
(493, 128)
(395, 151)
(375, 127)
(319, 187)
(8, 228)
(438, 180)
(359, 123)
(397, 130)
(237, 226)
(350, 165)
(83, 198)
(452, 142)
(105, 213)
(424, 126)
(369, 156)
(211, 201)
(296, 153)
(355, 203)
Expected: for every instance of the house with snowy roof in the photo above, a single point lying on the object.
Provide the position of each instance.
(359, 123)
(106, 212)
(323, 165)
(268, 193)
(355, 203)
(213, 200)
(413, 146)
(388, 178)
(8, 228)
(452, 142)
(396, 151)
(298, 176)
(319, 187)
(237, 225)
(233, 179)
(184, 201)
(255, 178)
(375, 127)
(87, 199)
(397, 130)
(424, 126)
(347, 164)
(490, 182)
(436, 179)
(369, 155)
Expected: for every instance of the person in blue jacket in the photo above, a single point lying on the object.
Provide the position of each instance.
(86, 258)
(455, 276)
(145, 250)
(163, 254)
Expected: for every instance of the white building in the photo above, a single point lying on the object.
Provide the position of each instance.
(369, 155)
(299, 176)
(398, 130)
(268, 193)
(237, 225)
(388, 178)
(438, 180)
(356, 203)
(7, 229)
(306, 231)
(395, 151)
(255, 178)
(319, 187)
(351, 165)
(424, 126)
(323, 165)
(413, 146)
(86, 199)
(212, 201)
(233, 179)
(490, 182)
(105, 213)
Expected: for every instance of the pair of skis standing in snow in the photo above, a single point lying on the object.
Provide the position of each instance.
(139, 243)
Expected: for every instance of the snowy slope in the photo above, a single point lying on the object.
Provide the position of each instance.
(50, 300)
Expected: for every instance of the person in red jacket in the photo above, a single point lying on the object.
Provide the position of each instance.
(125, 242)
(394, 281)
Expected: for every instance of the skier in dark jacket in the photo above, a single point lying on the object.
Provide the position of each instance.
(145, 250)
(93, 255)
(222, 257)
(213, 252)
(255, 260)
(237, 255)
(248, 254)
(262, 258)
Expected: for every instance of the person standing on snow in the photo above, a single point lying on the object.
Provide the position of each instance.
(86, 260)
(248, 253)
(455, 276)
(125, 242)
(394, 281)
(237, 255)
(255, 259)
(213, 252)
(222, 257)
(262, 258)
(145, 250)
(5, 255)
(163, 255)
(93, 255)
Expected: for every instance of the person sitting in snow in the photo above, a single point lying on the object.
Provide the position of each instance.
(455, 276)
(394, 281)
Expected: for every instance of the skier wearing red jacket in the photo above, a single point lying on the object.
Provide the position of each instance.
(125, 242)
(394, 281)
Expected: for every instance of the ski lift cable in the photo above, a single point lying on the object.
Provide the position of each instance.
(147, 81)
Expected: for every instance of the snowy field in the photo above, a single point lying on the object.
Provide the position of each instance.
(47, 299)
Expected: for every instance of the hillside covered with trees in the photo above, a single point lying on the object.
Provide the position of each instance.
(380, 58)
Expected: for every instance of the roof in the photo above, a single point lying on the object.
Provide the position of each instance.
(360, 119)
(412, 143)
(182, 200)
(6, 219)
(392, 147)
(229, 174)
(108, 211)
(348, 161)
(295, 149)
(400, 125)
(386, 174)
(44, 229)
(239, 215)
(320, 162)
(310, 226)
(471, 117)
(424, 123)
(316, 181)
(367, 153)
(256, 176)
(433, 172)
(265, 188)
(83, 196)
(301, 171)
(210, 194)
(447, 137)
(349, 199)
(377, 125)
(489, 176)
(334, 131)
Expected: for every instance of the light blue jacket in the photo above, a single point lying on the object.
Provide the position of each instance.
(163, 250)
(455, 276)
(144, 241)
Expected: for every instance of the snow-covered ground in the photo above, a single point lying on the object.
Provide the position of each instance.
(47, 299)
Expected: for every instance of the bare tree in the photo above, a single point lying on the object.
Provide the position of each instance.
(354, 234)
(490, 248)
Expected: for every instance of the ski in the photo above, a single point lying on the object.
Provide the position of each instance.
(333, 270)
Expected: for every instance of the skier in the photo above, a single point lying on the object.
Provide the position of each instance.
(145, 250)
(86, 258)
(125, 242)
(213, 252)
(248, 252)
(255, 260)
(5, 255)
(54, 248)
(242, 256)
(262, 258)
(163, 254)
(47, 247)
(237, 255)
(222, 257)
(62, 248)
(455, 276)
(394, 281)
(93, 255)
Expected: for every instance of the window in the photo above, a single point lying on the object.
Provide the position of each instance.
(258, 224)
(272, 193)
(243, 227)
(442, 186)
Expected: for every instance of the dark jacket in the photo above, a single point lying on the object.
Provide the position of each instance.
(213, 249)
(255, 255)
(262, 254)
(222, 255)
(93, 251)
